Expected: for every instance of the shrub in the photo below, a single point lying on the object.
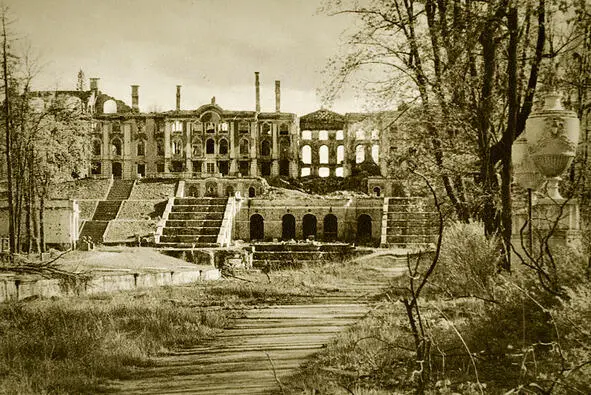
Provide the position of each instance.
(468, 261)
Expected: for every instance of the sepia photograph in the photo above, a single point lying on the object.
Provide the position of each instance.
(310, 197)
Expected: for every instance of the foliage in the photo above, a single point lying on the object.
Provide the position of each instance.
(469, 262)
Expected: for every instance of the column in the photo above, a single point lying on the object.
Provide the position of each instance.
(233, 163)
(275, 152)
(167, 152)
(188, 149)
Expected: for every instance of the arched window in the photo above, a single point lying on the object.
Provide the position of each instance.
(309, 226)
(209, 146)
(257, 227)
(375, 153)
(323, 153)
(377, 191)
(288, 227)
(159, 147)
(266, 129)
(330, 227)
(307, 154)
(284, 149)
(177, 146)
(141, 148)
(364, 231)
(244, 148)
(359, 154)
(96, 147)
(116, 147)
(223, 147)
(340, 153)
(197, 148)
(265, 148)
(252, 192)
(284, 129)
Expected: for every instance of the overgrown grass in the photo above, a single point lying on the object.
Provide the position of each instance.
(76, 345)
(488, 332)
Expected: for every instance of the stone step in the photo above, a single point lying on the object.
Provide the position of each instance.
(185, 246)
(191, 201)
(189, 239)
(200, 231)
(195, 216)
(198, 209)
(106, 210)
(293, 255)
(193, 223)
(305, 247)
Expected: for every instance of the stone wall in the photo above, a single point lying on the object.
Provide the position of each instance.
(346, 211)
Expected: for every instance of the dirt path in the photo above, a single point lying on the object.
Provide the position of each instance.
(265, 344)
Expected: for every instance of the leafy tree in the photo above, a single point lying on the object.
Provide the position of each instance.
(472, 68)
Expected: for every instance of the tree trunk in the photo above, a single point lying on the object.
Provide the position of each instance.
(7, 126)
(42, 221)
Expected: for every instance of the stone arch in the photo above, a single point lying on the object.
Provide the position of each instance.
(109, 107)
(330, 226)
(223, 147)
(284, 148)
(230, 191)
(211, 189)
(309, 225)
(364, 229)
(288, 227)
(323, 154)
(377, 191)
(265, 148)
(96, 147)
(266, 128)
(284, 129)
(244, 147)
(252, 192)
(307, 154)
(210, 146)
(116, 146)
(257, 227)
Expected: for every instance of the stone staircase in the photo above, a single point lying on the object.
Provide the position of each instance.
(193, 223)
(106, 210)
(409, 222)
(296, 255)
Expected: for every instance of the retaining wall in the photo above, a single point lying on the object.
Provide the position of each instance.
(22, 287)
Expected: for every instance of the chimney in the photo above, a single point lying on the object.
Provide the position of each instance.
(178, 97)
(257, 86)
(277, 96)
(94, 84)
(135, 98)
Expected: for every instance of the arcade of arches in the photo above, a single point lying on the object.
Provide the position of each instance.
(309, 228)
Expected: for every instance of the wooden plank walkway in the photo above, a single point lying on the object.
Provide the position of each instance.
(264, 342)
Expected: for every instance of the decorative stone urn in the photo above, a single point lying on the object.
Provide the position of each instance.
(552, 135)
(525, 171)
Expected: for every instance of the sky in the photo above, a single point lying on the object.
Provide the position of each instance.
(210, 47)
